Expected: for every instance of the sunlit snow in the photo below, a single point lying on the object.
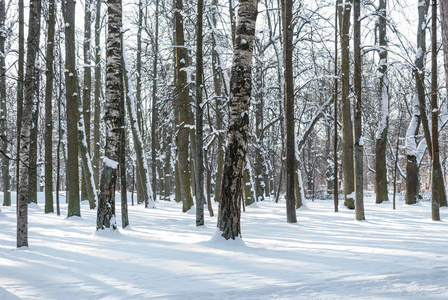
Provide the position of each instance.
(399, 254)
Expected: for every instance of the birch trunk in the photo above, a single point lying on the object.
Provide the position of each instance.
(20, 72)
(112, 117)
(31, 94)
(137, 139)
(347, 126)
(86, 89)
(236, 146)
(97, 95)
(3, 110)
(154, 106)
(412, 169)
(218, 81)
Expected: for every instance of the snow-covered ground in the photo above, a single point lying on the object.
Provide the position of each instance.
(399, 254)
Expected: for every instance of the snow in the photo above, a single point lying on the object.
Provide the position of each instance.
(395, 254)
(113, 164)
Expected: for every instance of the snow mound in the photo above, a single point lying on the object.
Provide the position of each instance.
(218, 241)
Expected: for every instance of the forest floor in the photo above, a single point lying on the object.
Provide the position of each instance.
(394, 254)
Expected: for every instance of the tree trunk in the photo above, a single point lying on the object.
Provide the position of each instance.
(357, 112)
(20, 73)
(122, 162)
(72, 111)
(142, 164)
(48, 109)
(182, 109)
(87, 88)
(381, 186)
(347, 127)
(31, 92)
(112, 117)
(289, 111)
(259, 164)
(240, 92)
(412, 169)
(154, 105)
(97, 116)
(140, 194)
(3, 111)
(199, 157)
(436, 174)
(217, 83)
(335, 116)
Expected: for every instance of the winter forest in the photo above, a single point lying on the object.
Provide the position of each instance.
(156, 134)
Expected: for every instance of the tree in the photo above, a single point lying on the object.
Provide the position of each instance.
(236, 147)
(154, 103)
(381, 187)
(289, 111)
(20, 73)
(31, 93)
(97, 95)
(335, 113)
(49, 74)
(199, 116)
(347, 127)
(112, 117)
(87, 87)
(182, 108)
(137, 138)
(71, 89)
(3, 110)
(357, 112)
(436, 171)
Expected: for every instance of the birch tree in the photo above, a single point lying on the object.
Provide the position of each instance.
(87, 87)
(347, 127)
(112, 117)
(3, 109)
(30, 97)
(236, 146)
(381, 187)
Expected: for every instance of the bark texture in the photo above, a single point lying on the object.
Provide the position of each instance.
(49, 73)
(182, 90)
(357, 112)
(347, 126)
(97, 95)
(199, 123)
(3, 110)
(112, 117)
(30, 97)
(236, 146)
(436, 171)
(137, 139)
(87, 88)
(381, 187)
(289, 111)
(72, 166)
